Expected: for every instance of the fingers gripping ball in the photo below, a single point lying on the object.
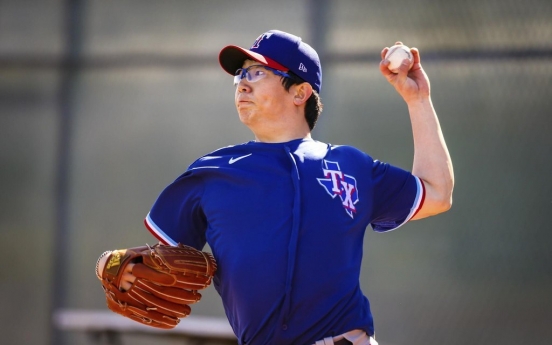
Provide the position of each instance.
(167, 281)
(396, 55)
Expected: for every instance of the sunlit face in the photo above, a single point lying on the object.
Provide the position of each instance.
(261, 102)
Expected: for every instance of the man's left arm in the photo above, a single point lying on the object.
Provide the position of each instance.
(432, 162)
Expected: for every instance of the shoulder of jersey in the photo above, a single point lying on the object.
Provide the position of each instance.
(347, 153)
(347, 148)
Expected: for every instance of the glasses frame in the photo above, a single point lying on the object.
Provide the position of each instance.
(244, 73)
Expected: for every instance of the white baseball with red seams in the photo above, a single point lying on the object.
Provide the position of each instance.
(396, 55)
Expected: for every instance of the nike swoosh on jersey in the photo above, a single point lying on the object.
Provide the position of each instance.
(234, 160)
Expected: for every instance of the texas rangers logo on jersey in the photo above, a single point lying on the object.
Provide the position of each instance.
(336, 183)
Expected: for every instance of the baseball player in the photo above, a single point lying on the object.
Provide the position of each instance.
(284, 214)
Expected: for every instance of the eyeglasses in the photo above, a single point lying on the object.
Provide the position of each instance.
(255, 73)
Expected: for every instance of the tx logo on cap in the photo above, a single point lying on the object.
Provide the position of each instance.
(260, 38)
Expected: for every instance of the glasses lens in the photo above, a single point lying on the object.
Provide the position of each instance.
(255, 73)
(251, 73)
(238, 76)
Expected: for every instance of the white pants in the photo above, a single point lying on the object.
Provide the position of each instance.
(356, 336)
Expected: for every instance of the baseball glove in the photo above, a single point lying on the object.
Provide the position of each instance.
(167, 280)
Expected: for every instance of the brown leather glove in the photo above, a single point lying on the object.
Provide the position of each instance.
(167, 280)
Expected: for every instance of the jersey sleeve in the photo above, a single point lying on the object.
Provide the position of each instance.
(177, 216)
(398, 196)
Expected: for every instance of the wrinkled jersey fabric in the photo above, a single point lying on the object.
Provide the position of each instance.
(286, 224)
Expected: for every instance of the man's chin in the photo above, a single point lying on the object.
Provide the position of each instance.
(245, 116)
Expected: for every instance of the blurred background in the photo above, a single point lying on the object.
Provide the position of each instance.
(104, 103)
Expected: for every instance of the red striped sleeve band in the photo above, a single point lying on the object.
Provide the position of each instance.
(157, 232)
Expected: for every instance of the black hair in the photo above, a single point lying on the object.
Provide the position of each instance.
(314, 105)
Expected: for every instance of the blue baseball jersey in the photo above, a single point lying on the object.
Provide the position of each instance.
(286, 224)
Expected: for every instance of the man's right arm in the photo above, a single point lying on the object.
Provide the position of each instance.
(432, 162)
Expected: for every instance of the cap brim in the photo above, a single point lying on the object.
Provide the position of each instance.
(231, 59)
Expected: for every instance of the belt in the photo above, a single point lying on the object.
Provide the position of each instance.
(343, 342)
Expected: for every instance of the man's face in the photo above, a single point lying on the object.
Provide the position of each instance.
(262, 102)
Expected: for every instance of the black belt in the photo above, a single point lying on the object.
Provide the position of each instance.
(343, 342)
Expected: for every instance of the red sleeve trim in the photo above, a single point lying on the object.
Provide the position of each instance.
(423, 198)
(155, 233)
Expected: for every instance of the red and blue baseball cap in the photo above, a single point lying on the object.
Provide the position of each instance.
(279, 50)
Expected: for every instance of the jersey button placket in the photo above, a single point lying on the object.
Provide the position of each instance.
(292, 248)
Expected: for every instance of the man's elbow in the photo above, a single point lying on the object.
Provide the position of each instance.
(438, 207)
(436, 202)
(443, 194)
(444, 202)
(446, 205)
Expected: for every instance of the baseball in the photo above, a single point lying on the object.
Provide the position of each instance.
(396, 54)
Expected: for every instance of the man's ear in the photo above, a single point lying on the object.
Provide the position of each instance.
(301, 93)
